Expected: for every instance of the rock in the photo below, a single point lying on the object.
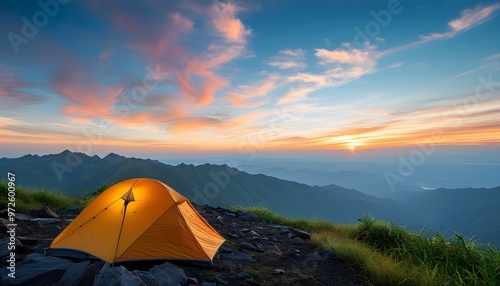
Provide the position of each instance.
(44, 212)
(36, 269)
(27, 240)
(292, 252)
(45, 221)
(232, 235)
(301, 234)
(253, 233)
(23, 217)
(224, 249)
(71, 208)
(327, 253)
(249, 216)
(278, 271)
(218, 280)
(248, 246)
(244, 275)
(79, 274)
(244, 231)
(260, 248)
(168, 274)
(192, 281)
(298, 241)
(116, 276)
(278, 226)
(147, 278)
(4, 247)
(273, 248)
(237, 256)
(4, 227)
(207, 284)
(216, 221)
(284, 230)
(315, 255)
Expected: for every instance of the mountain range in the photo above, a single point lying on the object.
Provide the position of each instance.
(471, 212)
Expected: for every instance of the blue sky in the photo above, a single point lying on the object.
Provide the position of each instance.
(153, 77)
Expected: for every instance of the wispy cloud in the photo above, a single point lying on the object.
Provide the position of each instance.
(490, 58)
(13, 91)
(254, 95)
(289, 59)
(469, 18)
(338, 67)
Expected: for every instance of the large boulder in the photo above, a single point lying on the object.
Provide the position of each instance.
(80, 274)
(116, 276)
(147, 278)
(169, 274)
(36, 269)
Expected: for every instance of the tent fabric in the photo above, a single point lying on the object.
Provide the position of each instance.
(139, 219)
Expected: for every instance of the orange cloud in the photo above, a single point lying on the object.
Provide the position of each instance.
(193, 72)
(223, 16)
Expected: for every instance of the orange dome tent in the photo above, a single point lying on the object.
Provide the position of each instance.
(139, 219)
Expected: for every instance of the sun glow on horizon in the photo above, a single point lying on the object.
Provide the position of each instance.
(352, 149)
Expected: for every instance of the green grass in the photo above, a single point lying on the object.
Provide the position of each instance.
(34, 199)
(390, 255)
(453, 260)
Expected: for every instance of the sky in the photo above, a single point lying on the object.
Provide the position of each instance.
(166, 77)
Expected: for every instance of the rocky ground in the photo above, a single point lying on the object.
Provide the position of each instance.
(255, 253)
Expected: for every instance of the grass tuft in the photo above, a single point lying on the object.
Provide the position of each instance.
(34, 199)
(390, 255)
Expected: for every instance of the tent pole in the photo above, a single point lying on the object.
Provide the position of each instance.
(120, 233)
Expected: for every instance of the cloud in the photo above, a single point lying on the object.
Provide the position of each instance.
(469, 18)
(317, 79)
(106, 54)
(296, 93)
(254, 95)
(194, 124)
(86, 98)
(337, 67)
(489, 58)
(223, 16)
(358, 57)
(289, 59)
(13, 91)
(347, 64)
(165, 40)
(395, 65)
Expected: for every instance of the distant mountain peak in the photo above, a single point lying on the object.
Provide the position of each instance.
(113, 157)
(68, 152)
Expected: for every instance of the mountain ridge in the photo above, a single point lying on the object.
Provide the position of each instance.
(467, 211)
